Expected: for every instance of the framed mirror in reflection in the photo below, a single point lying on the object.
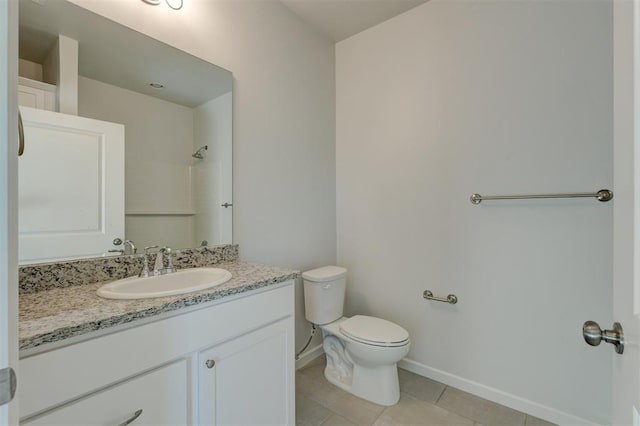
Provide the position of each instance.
(126, 138)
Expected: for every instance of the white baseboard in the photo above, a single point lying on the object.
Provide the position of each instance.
(495, 395)
(308, 356)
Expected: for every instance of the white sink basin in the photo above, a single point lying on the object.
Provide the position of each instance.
(183, 281)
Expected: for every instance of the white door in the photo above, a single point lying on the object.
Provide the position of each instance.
(71, 186)
(8, 195)
(626, 279)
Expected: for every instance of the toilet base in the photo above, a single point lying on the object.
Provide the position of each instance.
(379, 385)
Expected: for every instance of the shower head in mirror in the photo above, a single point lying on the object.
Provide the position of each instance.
(199, 154)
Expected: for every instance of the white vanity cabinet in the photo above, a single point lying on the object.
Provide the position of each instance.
(225, 362)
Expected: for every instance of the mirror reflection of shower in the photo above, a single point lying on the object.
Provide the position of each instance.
(199, 154)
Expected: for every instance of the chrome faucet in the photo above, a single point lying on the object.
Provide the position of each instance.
(170, 268)
(123, 250)
(145, 266)
(132, 247)
(159, 265)
(159, 268)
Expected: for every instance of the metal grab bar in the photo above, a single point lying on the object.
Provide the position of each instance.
(603, 195)
(452, 298)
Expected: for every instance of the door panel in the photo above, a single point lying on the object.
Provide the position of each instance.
(71, 186)
(8, 197)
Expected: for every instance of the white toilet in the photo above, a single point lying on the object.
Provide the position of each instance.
(362, 351)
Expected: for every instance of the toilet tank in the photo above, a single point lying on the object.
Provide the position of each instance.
(324, 290)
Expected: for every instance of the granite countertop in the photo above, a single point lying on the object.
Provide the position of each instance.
(61, 313)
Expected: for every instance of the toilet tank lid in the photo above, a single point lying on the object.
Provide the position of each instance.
(326, 273)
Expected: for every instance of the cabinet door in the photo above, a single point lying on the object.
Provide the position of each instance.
(161, 395)
(36, 98)
(249, 380)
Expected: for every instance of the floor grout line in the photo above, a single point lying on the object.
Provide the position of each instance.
(324, 421)
(380, 415)
(440, 396)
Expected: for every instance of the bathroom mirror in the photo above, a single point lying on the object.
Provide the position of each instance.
(178, 137)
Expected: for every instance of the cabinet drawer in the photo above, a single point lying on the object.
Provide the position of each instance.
(161, 395)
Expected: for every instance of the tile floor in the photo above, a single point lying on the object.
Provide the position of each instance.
(422, 402)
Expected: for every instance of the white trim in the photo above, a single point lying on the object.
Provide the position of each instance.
(626, 215)
(41, 85)
(8, 199)
(309, 356)
(494, 395)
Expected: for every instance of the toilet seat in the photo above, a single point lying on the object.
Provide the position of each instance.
(374, 331)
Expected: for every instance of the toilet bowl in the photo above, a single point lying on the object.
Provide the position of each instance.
(364, 367)
(362, 351)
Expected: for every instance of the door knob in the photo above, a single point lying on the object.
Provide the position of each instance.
(7, 385)
(593, 335)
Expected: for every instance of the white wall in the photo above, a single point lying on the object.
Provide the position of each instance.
(29, 69)
(283, 130)
(495, 97)
(157, 161)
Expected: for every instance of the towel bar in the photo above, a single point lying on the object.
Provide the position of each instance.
(603, 195)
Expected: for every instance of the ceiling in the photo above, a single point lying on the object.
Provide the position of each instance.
(340, 19)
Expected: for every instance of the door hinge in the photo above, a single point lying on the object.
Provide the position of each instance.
(8, 383)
